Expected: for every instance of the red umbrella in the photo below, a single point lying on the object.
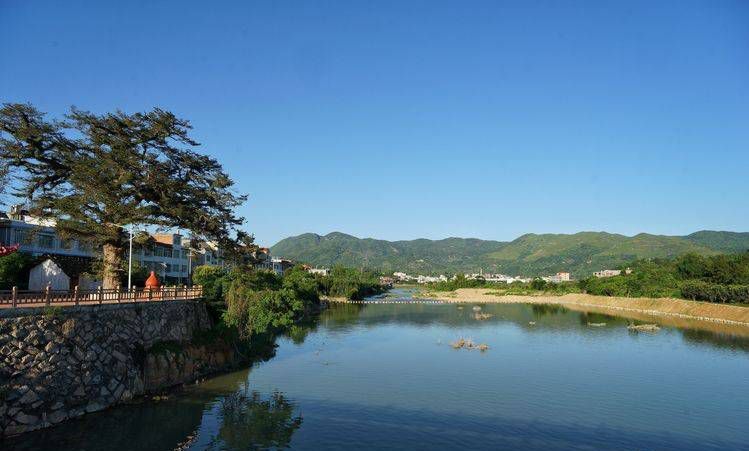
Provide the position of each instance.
(7, 250)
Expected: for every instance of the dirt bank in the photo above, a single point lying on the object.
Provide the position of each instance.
(676, 312)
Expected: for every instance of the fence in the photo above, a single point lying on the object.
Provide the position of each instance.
(49, 297)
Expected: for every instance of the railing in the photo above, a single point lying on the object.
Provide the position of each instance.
(50, 297)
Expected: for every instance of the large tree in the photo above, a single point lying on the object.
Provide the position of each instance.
(96, 174)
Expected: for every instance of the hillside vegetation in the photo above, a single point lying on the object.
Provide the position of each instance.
(529, 255)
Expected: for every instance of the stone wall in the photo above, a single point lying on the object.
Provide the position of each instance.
(62, 363)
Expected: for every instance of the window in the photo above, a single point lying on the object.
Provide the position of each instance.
(184, 268)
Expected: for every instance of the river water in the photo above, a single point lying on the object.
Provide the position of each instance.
(384, 376)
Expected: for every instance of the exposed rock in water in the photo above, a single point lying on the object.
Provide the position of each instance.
(597, 324)
(463, 343)
(644, 327)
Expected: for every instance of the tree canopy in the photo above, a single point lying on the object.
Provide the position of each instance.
(95, 173)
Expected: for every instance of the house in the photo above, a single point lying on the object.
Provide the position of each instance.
(558, 277)
(607, 273)
(169, 255)
(319, 271)
(611, 272)
(263, 260)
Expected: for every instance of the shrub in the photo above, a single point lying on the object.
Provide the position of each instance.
(14, 270)
(350, 283)
(303, 284)
(711, 292)
(211, 278)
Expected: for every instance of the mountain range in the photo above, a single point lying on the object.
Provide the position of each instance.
(529, 255)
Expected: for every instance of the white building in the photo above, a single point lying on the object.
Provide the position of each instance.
(611, 272)
(170, 256)
(558, 277)
(319, 271)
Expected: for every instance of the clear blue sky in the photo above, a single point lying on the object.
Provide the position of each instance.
(409, 119)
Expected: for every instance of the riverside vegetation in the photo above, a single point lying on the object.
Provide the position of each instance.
(256, 305)
(720, 278)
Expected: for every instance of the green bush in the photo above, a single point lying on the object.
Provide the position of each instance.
(14, 270)
(304, 284)
(350, 283)
(211, 278)
(258, 312)
(712, 292)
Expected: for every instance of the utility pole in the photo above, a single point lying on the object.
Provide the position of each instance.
(130, 262)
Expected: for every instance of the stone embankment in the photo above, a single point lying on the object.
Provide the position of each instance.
(57, 364)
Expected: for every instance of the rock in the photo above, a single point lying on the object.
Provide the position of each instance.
(94, 407)
(68, 328)
(15, 429)
(119, 356)
(57, 417)
(29, 397)
(23, 418)
(56, 405)
(19, 333)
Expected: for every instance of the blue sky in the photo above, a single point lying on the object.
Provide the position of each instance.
(408, 119)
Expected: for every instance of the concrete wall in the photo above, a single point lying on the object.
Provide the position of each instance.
(83, 359)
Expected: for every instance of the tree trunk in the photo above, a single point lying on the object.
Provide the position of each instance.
(112, 266)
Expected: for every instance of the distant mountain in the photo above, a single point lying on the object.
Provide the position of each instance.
(721, 241)
(529, 255)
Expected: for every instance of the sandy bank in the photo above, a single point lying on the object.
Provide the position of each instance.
(675, 312)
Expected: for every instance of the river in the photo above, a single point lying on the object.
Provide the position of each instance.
(384, 376)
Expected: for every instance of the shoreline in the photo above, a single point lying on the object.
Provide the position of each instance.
(669, 311)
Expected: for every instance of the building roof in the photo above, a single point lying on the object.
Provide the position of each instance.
(164, 238)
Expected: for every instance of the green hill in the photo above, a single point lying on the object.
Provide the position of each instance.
(529, 255)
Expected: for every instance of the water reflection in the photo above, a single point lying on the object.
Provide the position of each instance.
(248, 421)
(548, 309)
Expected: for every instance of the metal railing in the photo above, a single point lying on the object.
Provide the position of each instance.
(50, 297)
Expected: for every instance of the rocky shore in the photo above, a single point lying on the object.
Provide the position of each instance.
(64, 363)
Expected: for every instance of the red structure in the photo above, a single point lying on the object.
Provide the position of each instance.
(152, 281)
(7, 250)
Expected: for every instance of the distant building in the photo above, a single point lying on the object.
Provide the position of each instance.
(264, 261)
(607, 273)
(611, 272)
(558, 277)
(37, 237)
(319, 271)
(170, 256)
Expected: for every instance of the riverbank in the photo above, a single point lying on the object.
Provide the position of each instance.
(677, 312)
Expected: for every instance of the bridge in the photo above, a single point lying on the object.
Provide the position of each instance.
(64, 298)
